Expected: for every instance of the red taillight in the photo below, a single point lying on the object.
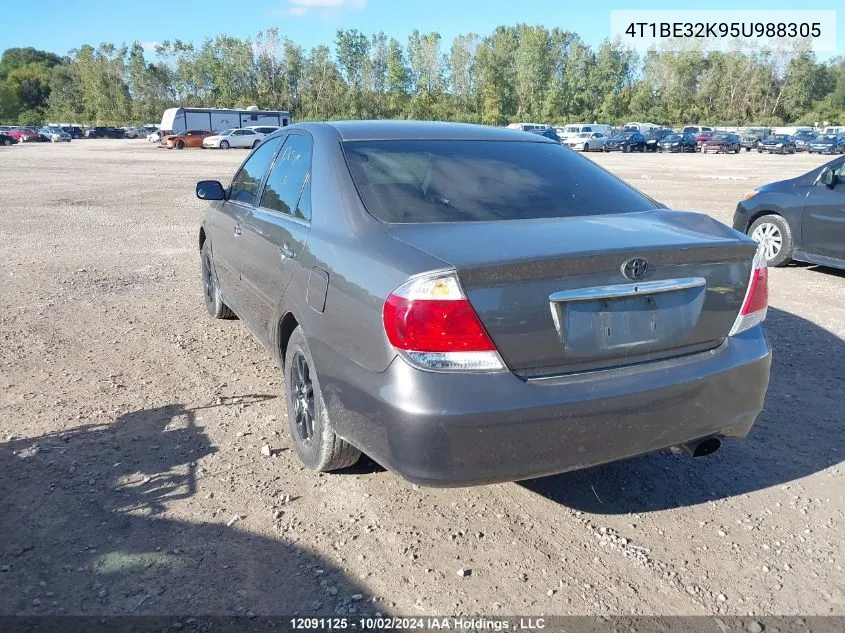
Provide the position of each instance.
(431, 323)
(434, 325)
(756, 302)
(758, 294)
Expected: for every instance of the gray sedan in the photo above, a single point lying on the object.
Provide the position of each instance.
(799, 219)
(467, 304)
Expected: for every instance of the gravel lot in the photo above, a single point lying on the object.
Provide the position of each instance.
(131, 428)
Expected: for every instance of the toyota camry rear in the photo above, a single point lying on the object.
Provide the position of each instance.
(473, 305)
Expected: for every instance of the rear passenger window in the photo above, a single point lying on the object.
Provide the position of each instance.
(245, 185)
(287, 177)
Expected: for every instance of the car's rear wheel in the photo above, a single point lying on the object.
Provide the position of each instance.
(211, 289)
(315, 441)
(773, 232)
(255, 144)
(180, 144)
(586, 147)
(224, 144)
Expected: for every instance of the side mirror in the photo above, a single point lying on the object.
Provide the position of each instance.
(829, 178)
(210, 190)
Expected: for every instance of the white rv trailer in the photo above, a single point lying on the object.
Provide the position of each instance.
(178, 120)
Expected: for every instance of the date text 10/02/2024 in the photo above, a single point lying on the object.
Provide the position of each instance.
(418, 623)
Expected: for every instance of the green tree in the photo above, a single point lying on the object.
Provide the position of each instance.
(66, 101)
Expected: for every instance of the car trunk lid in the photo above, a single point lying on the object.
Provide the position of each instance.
(553, 296)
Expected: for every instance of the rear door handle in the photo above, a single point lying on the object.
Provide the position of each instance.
(237, 230)
(285, 251)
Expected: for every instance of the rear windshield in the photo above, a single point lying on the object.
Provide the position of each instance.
(407, 181)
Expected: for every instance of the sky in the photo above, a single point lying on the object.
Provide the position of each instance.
(62, 25)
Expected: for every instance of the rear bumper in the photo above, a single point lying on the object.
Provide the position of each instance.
(443, 429)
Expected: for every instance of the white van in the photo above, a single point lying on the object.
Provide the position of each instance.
(529, 127)
(792, 130)
(696, 129)
(834, 129)
(574, 129)
(642, 128)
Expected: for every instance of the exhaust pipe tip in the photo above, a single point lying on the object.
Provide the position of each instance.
(702, 448)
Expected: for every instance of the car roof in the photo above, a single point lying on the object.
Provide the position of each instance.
(422, 130)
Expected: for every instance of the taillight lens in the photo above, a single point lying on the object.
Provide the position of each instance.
(431, 323)
(756, 302)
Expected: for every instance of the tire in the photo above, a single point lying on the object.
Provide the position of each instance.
(626, 148)
(779, 245)
(211, 288)
(586, 147)
(316, 443)
(6, 141)
(224, 144)
(255, 144)
(180, 144)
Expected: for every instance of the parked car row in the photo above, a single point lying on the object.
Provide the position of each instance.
(247, 137)
(10, 134)
(61, 132)
(646, 137)
(639, 137)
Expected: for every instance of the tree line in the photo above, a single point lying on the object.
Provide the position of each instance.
(516, 73)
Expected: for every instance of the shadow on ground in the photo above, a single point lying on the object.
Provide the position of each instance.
(799, 433)
(85, 530)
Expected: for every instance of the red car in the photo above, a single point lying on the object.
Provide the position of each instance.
(702, 137)
(721, 144)
(24, 134)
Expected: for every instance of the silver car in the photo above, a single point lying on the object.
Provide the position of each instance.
(587, 141)
(55, 134)
(469, 304)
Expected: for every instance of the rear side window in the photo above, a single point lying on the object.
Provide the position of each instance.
(419, 181)
(245, 185)
(288, 175)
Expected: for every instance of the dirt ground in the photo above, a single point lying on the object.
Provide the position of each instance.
(131, 427)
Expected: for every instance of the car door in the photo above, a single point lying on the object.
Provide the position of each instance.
(275, 231)
(247, 138)
(228, 219)
(194, 138)
(236, 139)
(823, 222)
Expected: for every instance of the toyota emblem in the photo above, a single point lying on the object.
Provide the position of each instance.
(635, 268)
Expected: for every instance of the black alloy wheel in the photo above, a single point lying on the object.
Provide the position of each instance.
(303, 399)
